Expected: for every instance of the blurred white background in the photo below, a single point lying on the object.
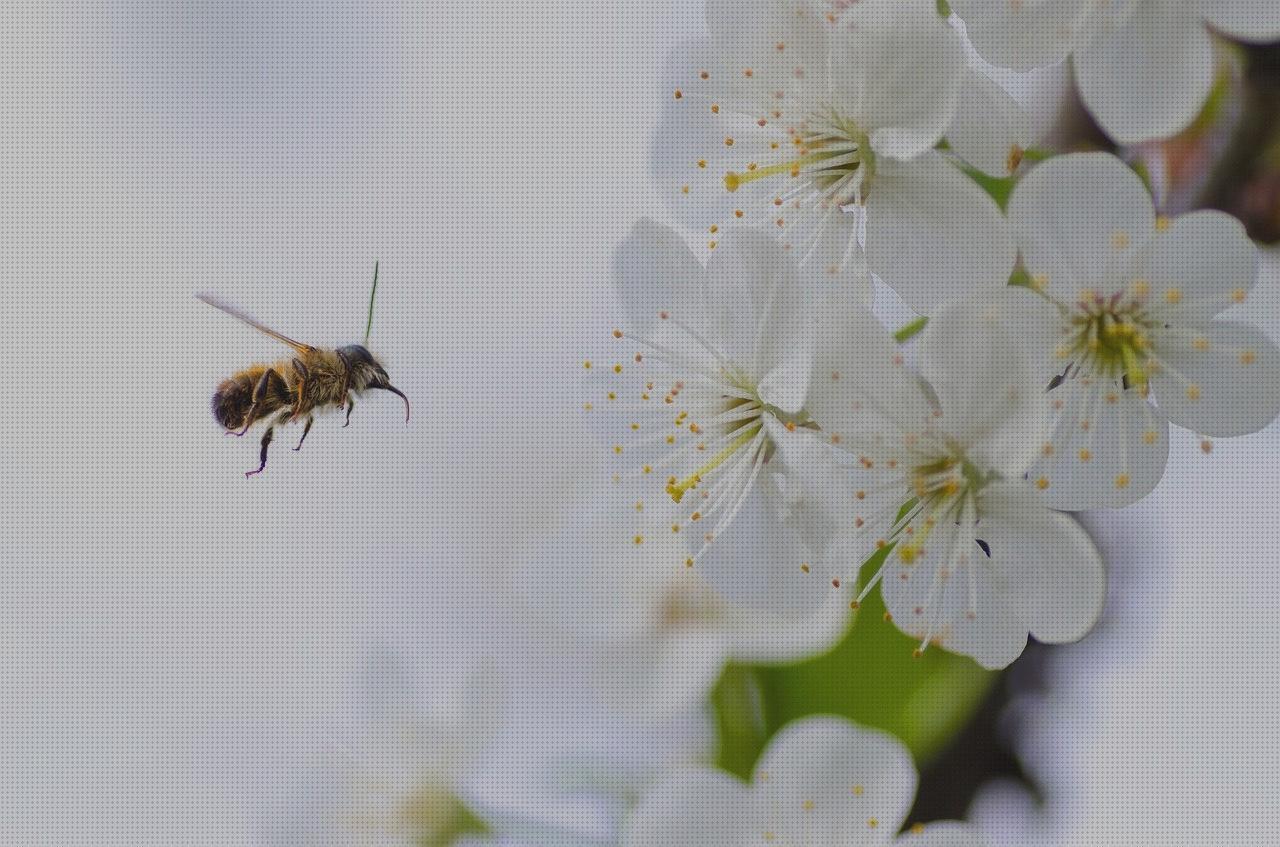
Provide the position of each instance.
(171, 634)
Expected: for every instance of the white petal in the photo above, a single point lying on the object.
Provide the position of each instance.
(1107, 447)
(1083, 221)
(992, 396)
(753, 636)
(1048, 561)
(860, 387)
(1033, 34)
(1149, 78)
(954, 597)
(934, 234)
(704, 807)
(1247, 20)
(896, 71)
(1219, 378)
(771, 556)
(750, 31)
(654, 271)
(826, 781)
(943, 834)
(654, 678)
(990, 129)
(762, 315)
(1206, 260)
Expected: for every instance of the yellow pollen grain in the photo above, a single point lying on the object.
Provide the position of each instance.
(587, 364)
(858, 791)
(1122, 480)
(807, 805)
(696, 516)
(715, 108)
(1150, 436)
(1015, 158)
(1248, 357)
(872, 822)
(1040, 281)
(1163, 223)
(773, 145)
(635, 427)
(587, 407)
(713, 229)
(1173, 296)
(1042, 483)
(751, 166)
(675, 527)
(1193, 392)
(1238, 295)
(728, 142)
(1201, 344)
(617, 369)
(804, 567)
(861, 495)
(917, 829)
(1119, 239)
(1085, 455)
(684, 189)
(679, 94)
(671, 439)
(1113, 398)
(639, 505)
(711, 245)
(737, 213)
(702, 163)
(688, 563)
(639, 539)
(1047, 449)
(617, 448)
(647, 469)
(612, 395)
(791, 426)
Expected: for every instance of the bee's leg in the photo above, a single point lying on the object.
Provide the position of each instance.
(301, 371)
(262, 455)
(259, 391)
(351, 404)
(346, 380)
(310, 420)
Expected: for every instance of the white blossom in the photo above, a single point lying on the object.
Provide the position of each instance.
(936, 467)
(1125, 315)
(822, 782)
(1144, 67)
(702, 405)
(818, 123)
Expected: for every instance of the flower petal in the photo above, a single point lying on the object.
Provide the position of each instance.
(1203, 262)
(772, 555)
(861, 389)
(1032, 34)
(654, 271)
(703, 807)
(1220, 378)
(990, 129)
(1083, 221)
(950, 594)
(896, 71)
(1048, 561)
(933, 233)
(1150, 77)
(1247, 20)
(1107, 447)
(761, 315)
(824, 780)
(992, 397)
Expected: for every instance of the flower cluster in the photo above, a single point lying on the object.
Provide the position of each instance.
(775, 454)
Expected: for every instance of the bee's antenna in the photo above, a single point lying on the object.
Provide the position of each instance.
(369, 323)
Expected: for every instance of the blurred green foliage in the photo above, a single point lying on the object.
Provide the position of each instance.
(871, 677)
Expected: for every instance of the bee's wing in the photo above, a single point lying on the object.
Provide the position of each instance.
(236, 313)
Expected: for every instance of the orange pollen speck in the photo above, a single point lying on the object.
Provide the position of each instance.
(1042, 483)
(728, 142)
(679, 94)
(715, 108)
(1206, 446)
(1085, 455)
(704, 75)
(737, 213)
(1238, 295)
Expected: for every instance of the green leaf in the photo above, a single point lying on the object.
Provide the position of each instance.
(944, 9)
(999, 187)
(871, 677)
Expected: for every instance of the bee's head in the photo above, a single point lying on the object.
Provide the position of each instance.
(367, 372)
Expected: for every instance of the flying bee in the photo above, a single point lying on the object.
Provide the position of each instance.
(296, 389)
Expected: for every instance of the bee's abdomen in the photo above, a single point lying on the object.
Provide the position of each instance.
(234, 397)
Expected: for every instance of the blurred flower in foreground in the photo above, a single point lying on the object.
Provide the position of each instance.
(654, 634)
(792, 114)
(1126, 312)
(822, 782)
(937, 469)
(1144, 67)
(702, 404)
(402, 784)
